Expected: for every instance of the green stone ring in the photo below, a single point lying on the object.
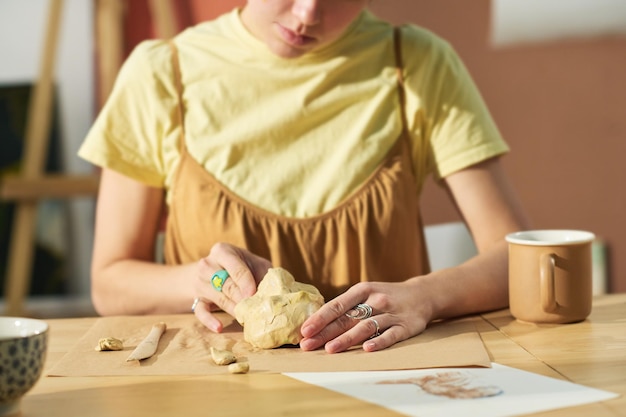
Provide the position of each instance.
(218, 279)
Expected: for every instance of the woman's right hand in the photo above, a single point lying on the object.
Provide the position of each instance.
(245, 271)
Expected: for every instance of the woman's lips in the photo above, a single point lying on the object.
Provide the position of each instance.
(292, 38)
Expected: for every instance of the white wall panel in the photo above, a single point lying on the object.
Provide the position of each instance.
(525, 21)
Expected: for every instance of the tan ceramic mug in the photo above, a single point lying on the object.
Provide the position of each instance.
(550, 275)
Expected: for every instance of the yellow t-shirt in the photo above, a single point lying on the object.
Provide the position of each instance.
(298, 136)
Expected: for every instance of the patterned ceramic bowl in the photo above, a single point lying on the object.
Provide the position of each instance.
(23, 344)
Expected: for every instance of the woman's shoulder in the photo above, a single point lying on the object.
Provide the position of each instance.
(416, 36)
(417, 41)
(148, 56)
(158, 51)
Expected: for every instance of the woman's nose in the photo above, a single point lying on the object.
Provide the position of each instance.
(307, 11)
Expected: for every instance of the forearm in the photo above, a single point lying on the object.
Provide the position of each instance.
(480, 284)
(140, 287)
(491, 210)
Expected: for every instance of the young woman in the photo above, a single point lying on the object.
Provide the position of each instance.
(297, 133)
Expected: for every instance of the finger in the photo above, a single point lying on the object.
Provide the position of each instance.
(366, 329)
(334, 329)
(259, 267)
(231, 260)
(333, 310)
(207, 272)
(386, 339)
(228, 286)
(204, 315)
(224, 300)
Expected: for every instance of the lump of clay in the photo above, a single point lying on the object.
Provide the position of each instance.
(272, 317)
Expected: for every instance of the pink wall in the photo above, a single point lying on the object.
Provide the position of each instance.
(561, 107)
(204, 9)
(188, 12)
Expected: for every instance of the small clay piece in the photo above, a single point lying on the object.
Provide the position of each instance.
(222, 357)
(273, 316)
(239, 368)
(109, 343)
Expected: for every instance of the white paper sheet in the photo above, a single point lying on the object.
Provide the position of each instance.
(499, 391)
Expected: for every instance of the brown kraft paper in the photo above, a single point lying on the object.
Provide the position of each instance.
(184, 349)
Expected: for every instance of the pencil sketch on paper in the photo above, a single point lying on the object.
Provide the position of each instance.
(453, 384)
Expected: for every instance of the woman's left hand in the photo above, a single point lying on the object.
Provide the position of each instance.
(399, 311)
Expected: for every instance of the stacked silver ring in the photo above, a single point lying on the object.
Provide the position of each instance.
(360, 312)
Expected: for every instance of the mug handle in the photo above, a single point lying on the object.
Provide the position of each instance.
(547, 293)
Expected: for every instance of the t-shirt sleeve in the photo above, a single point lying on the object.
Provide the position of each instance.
(450, 122)
(130, 130)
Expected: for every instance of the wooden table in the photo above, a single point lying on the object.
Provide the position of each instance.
(591, 353)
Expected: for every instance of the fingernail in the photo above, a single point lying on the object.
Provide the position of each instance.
(332, 346)
(369, 346)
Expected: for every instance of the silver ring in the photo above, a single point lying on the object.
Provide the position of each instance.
(360, 312)
(195, 304)
(377, 333)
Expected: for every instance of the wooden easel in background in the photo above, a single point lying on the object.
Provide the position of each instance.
(32, 184)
